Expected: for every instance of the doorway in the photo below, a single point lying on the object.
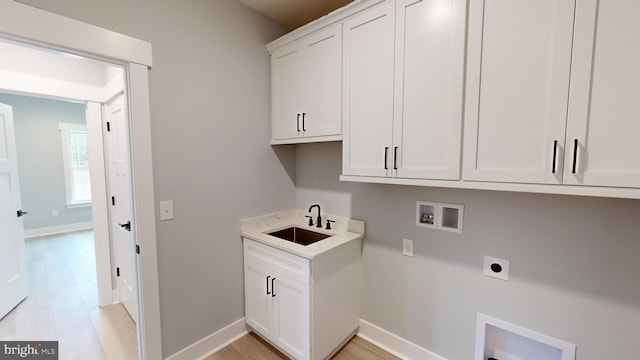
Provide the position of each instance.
(60, 33)
(113, 79)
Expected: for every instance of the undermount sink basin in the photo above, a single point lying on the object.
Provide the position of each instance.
(299, 236)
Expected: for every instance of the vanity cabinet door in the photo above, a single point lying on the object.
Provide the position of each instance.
(518, 67)
(292, 317)
(258, 298)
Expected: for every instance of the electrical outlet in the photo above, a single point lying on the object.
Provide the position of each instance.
(166, 210)
(55, 213)
(496, 268)
(407, 247)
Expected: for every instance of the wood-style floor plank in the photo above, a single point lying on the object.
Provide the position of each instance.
(63, 303)
(253, 347)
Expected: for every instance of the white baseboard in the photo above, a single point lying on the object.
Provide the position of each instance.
(60, 229)
(212, 343)
(383, 339)
(394, 344)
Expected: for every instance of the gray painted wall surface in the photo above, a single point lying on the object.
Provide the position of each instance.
(209, 90)
(40, 163)
(574, 262)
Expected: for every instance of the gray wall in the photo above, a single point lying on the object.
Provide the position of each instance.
(40, 164)
(209, 90)
(575, 262)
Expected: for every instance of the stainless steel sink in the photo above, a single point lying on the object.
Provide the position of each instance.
(299, 236)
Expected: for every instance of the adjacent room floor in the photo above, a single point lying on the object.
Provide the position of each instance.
(63, 303)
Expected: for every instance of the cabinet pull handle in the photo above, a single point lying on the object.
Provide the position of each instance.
(574, 167)
(555, 157)
(273, 289)
(303, 128)
(386, 150)
(395, 158)
(298, 122)
(268, 293)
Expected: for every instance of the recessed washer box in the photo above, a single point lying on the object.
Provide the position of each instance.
(501, 340)
(439, 216)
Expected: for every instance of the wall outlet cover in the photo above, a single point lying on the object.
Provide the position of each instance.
(166, 210)
(496, 268)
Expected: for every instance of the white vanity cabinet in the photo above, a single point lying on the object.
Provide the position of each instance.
(305, 307)
(306, 95)
(403, 83)
(519, 62)
(277, 297)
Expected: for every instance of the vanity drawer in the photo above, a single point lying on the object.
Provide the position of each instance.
(278, 260)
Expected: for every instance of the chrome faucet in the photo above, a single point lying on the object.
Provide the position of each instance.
(319, 222)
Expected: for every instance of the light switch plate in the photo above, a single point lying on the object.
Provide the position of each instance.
(407, 247)
(166, 210)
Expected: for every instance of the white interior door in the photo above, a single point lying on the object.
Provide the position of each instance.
(13, 277)
(121, 210)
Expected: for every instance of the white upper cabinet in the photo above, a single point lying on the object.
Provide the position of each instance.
(403, 81)
(429, 69)
(604, 120)
(306, 83)
(368, 92)
(519, 61)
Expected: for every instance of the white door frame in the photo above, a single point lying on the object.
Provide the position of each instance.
(61, 33)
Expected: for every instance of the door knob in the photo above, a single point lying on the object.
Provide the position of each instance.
(126, 226)
(22, 213)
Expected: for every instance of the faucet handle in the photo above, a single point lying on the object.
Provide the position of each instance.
(310, 220)
(329, 224)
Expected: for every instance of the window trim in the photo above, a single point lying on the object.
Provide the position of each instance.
(64, 137)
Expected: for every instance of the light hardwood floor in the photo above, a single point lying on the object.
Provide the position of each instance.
(63, 303)
(253, 347)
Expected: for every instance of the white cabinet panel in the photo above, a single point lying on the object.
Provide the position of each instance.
(430, 37)
(519, 56)
(306, 78)
(259, 303)
(292, 314)
(286, 70)
(322, 83)
(605, 97)
(368, 50)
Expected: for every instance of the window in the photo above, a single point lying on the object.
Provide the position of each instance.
(75, 155)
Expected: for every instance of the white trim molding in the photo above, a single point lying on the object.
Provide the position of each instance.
(216, 341)
(59, 229)
(394, 344)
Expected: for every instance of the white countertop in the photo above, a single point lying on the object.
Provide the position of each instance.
(343, 231)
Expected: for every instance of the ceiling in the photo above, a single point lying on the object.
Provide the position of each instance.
(294, 13)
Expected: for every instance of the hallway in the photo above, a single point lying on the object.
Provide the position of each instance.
(63, 303)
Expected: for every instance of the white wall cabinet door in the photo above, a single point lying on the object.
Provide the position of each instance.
(322, 83)
(306, 87)
(292, 303)
(286, 72)
(368, 50)
(519, 55)
(429, 75)
(602, 132)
